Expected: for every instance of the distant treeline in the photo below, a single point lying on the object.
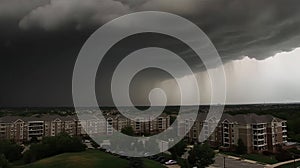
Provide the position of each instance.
(24, 111)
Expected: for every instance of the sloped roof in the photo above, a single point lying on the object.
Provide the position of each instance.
(249, 118)
(242, 118)
(45, 117)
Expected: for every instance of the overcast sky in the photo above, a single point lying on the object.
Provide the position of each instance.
(40, 41)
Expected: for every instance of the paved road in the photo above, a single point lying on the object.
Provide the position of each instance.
(233, 163)
(172, 166)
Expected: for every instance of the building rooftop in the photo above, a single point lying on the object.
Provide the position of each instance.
(249, 118)
(44, 117)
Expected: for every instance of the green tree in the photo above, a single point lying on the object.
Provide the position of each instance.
(241, 148)
(128, 131)
(201, 156)
(12, 151)
(178, 149)
(34, 139)
(50, 146)
(3, 161)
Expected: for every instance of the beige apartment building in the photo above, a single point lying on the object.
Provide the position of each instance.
(22, 129)
(140, 125)
(258, 132)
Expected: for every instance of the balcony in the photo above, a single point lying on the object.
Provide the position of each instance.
(35, 126)
(35, 133)
(259, 128)
(259, 133)
(255, 137)
(260, 145)
(226, 137)
(35, 129)
(226, 133)
(284, 125)
(259, 140)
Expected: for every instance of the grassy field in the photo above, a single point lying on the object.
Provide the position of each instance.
(87, 159)
(261, 158)
(256, 157)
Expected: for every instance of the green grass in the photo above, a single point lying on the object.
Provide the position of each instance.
(256, 157)
(86, 159)
(261, 158)
(152, 164)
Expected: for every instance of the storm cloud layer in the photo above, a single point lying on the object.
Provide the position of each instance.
(256, 28)
(40, 39)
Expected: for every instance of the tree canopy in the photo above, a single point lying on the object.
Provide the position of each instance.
(50, 146)
(201, 156)
(10, 150)
(128, 131)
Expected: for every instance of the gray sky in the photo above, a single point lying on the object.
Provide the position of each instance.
(40, 40)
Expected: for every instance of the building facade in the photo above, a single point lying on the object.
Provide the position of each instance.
(258, 132)
(22, 129)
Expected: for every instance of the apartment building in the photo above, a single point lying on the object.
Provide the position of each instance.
(202, 128)
(13, 128)
(140, 125)
(258, 132)
(22, 129)
(34, 129)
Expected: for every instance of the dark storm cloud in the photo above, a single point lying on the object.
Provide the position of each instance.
(255, 28)
(78, 13)
(40, 39)
(13, 9)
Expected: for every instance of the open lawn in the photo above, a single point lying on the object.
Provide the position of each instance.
(261, 158)
(256, 157)
(86, 159)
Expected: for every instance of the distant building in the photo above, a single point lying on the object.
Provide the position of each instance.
(140, 125)
(22, 129)
(258, 132)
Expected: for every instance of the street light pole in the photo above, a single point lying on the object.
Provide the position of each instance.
(294, 161)
(224, 163)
